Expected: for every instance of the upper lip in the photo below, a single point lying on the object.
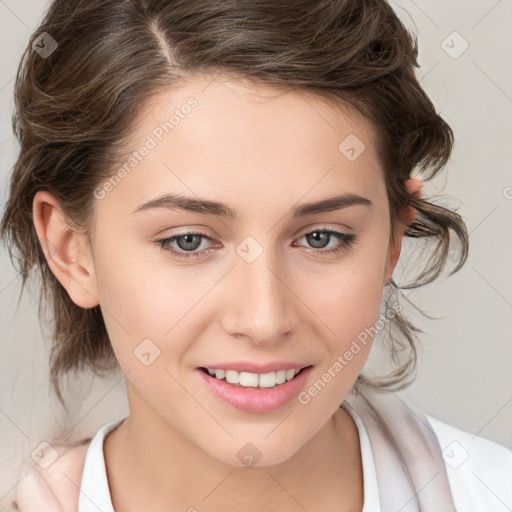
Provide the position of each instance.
(251, 367)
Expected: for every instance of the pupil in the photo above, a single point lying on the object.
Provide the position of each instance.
(317, 236)
(189, 240)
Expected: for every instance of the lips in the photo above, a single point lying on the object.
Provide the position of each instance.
(255, 400)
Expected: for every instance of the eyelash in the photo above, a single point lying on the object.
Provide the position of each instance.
(346, 239)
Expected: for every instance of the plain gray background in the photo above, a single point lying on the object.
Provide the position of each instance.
(464, 374)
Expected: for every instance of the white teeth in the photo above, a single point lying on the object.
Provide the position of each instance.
(290, 374)
(232, 376)
(254, 380)
(281, 376)
(248, 379)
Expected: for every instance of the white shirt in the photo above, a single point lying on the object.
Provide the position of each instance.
(481, 485)
(95, 494)
(477, 472)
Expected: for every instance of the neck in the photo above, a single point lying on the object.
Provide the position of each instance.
(163, 468)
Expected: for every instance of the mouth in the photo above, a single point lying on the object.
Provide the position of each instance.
(254, 380)
(255, 393)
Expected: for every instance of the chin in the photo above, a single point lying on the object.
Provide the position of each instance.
(254, 454)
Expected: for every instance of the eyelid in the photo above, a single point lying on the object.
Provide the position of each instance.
(323, 227)
(346, 239)
(178, 231)
(202, 230)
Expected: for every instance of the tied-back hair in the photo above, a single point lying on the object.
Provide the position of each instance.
(75, 110)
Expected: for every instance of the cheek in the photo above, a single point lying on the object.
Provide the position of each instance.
(351, 316)
(346, 313)
(148, 301)
(346, 302)
(346, 297)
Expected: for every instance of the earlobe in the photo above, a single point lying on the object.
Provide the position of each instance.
(67, 258)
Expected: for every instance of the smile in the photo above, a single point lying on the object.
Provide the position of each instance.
(254, 380)
(255, 392)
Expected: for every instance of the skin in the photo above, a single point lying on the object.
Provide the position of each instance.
(260, 151)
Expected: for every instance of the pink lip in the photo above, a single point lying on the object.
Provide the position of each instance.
(258, 400)
(248, 366)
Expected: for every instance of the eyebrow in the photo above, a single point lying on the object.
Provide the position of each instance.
(175, 201)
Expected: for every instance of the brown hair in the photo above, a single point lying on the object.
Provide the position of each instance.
(76, 106)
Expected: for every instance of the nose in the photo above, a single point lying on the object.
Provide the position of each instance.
(260, 304)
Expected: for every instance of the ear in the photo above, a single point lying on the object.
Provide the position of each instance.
(66, 251)
(413, 187)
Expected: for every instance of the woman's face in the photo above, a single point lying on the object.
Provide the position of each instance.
(262, 286)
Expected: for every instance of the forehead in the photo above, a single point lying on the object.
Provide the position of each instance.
(229, 102)
(212, 136)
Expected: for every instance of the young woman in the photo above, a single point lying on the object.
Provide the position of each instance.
(215, 194)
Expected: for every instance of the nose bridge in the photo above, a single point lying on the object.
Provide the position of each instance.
(259, 305)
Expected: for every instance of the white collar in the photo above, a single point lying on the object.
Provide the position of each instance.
(403, 468)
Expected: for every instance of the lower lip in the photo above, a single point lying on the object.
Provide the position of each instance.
(256, 399)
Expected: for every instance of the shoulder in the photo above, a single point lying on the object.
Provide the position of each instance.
(57, 485)
(479, 470)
